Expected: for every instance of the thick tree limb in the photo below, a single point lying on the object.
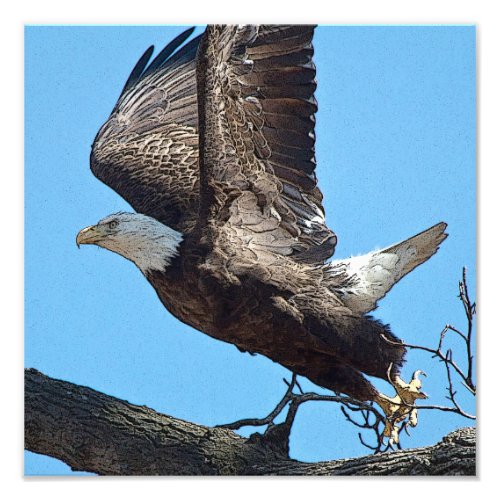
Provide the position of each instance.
(93, 432)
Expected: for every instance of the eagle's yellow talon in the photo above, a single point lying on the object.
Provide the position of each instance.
(399, 408)
(409, 392)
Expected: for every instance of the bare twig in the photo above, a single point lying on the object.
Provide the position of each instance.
(294, 400)
(470, 311)
(374, 426)
(257, 422)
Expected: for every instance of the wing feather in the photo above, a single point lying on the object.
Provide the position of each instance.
(147, 150)
(256, 108)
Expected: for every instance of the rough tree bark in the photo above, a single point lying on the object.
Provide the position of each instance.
(93, 432)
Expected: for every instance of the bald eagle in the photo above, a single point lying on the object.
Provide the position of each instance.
(212, 144)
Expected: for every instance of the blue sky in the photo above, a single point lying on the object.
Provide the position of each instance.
(396, 154)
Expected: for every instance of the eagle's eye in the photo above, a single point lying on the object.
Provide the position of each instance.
(113, 224)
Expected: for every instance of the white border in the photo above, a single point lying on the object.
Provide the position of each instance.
(194, 12)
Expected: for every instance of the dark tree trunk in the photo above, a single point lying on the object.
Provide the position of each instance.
(93, 432)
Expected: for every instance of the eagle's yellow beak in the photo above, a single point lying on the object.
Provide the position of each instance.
(90, 235)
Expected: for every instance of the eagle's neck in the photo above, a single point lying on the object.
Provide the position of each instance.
(150, 244)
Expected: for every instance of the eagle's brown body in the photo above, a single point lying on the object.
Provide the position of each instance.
(265, 309)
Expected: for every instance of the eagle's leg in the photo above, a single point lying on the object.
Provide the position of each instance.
(402, 406)
(350, 381)
(382, 358)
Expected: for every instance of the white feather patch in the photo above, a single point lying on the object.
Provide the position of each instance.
(374, 274)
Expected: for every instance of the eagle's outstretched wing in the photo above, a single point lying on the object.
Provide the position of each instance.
(256, 115)
(147, 151)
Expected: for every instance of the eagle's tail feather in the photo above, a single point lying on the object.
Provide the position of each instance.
(371, 276)
(425, 243)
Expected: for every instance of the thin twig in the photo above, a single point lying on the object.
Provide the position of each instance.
(470, 311)
(257, 422)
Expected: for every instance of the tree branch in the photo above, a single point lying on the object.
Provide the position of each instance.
(93, 432)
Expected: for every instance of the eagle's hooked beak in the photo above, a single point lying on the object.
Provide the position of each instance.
(89, 236)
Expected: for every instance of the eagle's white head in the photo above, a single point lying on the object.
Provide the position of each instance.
(149, 244)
